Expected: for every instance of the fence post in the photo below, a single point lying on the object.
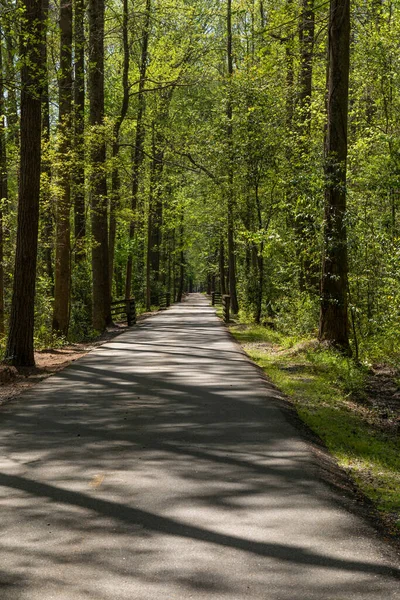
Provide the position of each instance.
(226, 302)
(168, 299)
(212, 298)
(129, 313)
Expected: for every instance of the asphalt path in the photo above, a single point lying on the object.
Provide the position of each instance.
(162, 466)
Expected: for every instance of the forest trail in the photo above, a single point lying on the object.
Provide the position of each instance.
(162, 466)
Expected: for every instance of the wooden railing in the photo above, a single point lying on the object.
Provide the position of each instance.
(226, 304)
(165, 300)
(216, 298)
(126, 308)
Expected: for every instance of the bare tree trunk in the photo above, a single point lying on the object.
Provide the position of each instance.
(101, 316)
(222, 267)
(230, 199)
(62, 283)
(46, 214)
(3, 186)
(139, 141)
(20, 338)
(334, 325)
(304, 222)
(79, 130)
(181, 259)
(115, 179)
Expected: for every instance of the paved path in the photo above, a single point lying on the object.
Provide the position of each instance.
(161, 467)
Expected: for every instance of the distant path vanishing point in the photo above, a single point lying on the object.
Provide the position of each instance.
(161, 466)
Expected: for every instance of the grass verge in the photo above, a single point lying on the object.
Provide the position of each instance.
(327, 391)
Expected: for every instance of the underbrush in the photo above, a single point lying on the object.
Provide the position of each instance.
(328, 391)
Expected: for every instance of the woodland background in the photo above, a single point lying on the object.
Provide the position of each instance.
(163, 146)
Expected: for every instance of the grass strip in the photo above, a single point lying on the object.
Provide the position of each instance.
(327, 390)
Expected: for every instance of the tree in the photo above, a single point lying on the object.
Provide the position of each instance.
(62, 287)
(138, 155)
(334, 326)
(101, 316)
(230, 183)
(20, 351)
(3, 184)
(79, 130)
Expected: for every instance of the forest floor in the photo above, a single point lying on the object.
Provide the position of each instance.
(49, 361)
(353, 409)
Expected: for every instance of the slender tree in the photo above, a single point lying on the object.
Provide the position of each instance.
(47, 220)
(138, 154)
(101, 316)
(62, 287)
(78, 188)
(115, 178)
(230, 198)
(3, 183)
(20, 338)
(334, 326)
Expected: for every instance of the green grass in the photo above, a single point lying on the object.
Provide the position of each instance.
(326, 389)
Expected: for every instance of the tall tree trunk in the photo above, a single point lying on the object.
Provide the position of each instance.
(115, 178)
(154, 223)
(20, 338)
(62, 283)
(154, 237)
(260, 259)
(304, 221)
(101, 316)
(139, 141)
(334, 326)
(230, 199)
(45, 200)
(79, 130)
(12, 103)
(181, 282)
(222, 267)
(3, 185)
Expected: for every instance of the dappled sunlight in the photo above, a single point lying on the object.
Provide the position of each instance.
(144, 468)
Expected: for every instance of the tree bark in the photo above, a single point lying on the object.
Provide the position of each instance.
(79, 131)
(334, 325)
(20, 339)
(115, 178)
(139, 141)
(3, 186)
(101, 316)
(62, 283)
(304, 221)
(230, 198)
(46, 214)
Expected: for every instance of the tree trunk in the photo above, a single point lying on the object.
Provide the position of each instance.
(181, 259)
(222, 267)
(230, 199)
(12, 103)
(79, 131)
(20, 339)
(115, 178)
(46, 215)
(334, 326)
(101, 316)
(139, 141)
(3, 187)
(304, 221)
(62, 283)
